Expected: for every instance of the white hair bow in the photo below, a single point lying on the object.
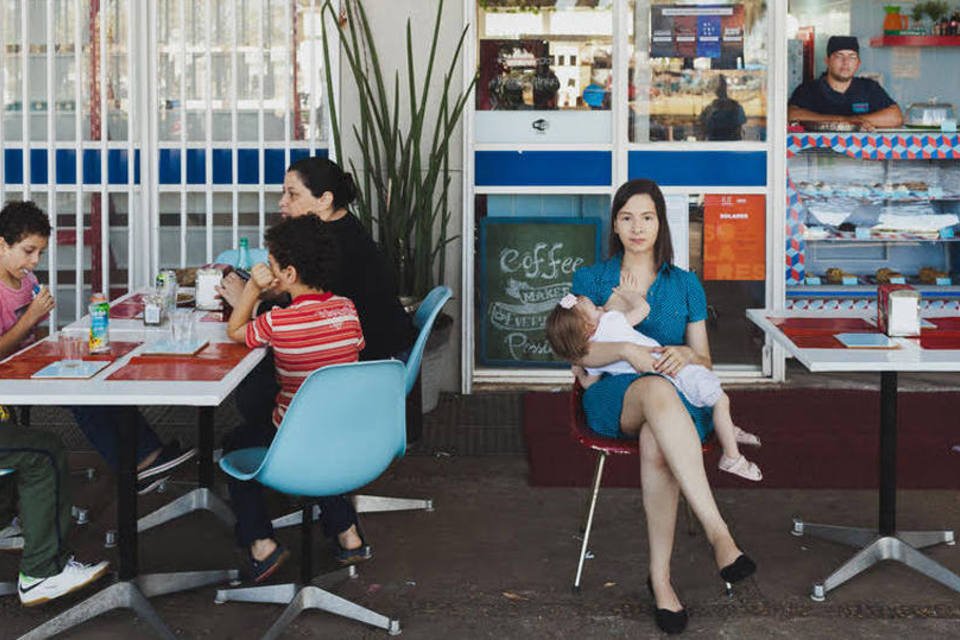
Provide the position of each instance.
(568, 301)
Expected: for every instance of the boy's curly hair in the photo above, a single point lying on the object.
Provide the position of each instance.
(305, 243)
(21, 219)
(567, 333)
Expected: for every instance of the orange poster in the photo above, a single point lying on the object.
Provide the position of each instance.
(734, 237)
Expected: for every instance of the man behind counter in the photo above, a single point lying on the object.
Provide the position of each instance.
(839, 96)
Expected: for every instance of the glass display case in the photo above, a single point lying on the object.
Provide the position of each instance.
(866, 209)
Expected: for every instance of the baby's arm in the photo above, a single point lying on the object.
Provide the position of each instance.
(631, 303)
(630, 299)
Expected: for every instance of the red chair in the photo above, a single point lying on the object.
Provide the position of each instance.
(586, 437)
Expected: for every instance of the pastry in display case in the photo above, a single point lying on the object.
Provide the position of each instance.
(873, 208)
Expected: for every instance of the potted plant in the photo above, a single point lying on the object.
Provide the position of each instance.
(403, 161)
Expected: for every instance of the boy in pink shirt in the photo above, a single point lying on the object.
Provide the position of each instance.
(37, 458)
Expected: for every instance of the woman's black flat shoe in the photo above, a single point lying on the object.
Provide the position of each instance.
(670, 622)
(740, 569)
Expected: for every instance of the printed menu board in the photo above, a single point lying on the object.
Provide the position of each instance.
(734, 237)
(698, 31)
(526, 266)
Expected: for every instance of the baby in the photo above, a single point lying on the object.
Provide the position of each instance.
(576, 321)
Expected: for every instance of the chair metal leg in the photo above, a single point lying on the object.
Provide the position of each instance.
(121, 595)
(270, 594)
(160, 584)
(201, 498)
(363, 504)
(311, 597)
(922, 539)
(6, 588)
(595, 490)
(374, 504)
(294, 518)
(850, 536)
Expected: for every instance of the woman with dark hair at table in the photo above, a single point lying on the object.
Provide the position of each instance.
(646, 405)
(318, 186)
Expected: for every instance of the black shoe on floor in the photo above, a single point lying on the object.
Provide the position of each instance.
(670, 622)
(740, 569)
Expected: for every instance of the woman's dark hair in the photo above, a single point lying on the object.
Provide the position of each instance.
(662, 247)
(21, 219)
(320, 175)
(305, 243)
(567, 333)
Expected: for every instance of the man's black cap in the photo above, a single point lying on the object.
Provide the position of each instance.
(842, 43)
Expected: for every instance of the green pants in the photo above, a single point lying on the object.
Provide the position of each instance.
(41, 482)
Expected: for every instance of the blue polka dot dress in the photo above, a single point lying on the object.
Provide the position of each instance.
(676, 299)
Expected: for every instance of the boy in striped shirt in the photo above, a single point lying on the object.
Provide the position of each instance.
(317, 329)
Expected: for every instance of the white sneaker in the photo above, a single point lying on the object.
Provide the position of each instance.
(75, 575)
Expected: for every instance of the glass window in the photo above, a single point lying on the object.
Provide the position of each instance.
(276, 48)
(545, 56)
(698, 71)
(727, 252)
(528, 246)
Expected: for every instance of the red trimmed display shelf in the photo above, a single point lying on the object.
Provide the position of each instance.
(915, 41)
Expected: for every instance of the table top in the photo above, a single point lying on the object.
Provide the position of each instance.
(908, 356)
(111, 386)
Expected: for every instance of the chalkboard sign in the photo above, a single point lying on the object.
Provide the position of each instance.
(526, 266)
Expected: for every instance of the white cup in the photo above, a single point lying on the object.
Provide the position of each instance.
(181, 324)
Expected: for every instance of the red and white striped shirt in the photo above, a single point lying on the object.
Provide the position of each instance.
(317, 329)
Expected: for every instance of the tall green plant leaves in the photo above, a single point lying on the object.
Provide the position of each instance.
(404, 168)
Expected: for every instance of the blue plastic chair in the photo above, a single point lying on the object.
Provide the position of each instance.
(423, 319)
(232, 256)
(344, 427)
(6, 588)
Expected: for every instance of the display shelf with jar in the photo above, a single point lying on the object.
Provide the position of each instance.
(870, 208)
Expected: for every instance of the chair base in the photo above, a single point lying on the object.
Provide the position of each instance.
(363, 504)
(902, 547)
(201, 498)
(131, 595)
(6, 588)
(311, 596)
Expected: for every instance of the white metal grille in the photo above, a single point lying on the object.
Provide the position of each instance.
(204, 102)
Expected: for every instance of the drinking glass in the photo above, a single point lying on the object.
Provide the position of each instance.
(181, 323)
(73, 346)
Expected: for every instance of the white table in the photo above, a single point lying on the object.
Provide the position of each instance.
(132, 590)
(884, 542)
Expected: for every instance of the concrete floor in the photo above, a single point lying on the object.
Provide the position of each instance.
(496, 560)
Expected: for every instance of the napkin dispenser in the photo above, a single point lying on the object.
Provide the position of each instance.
(898, 310)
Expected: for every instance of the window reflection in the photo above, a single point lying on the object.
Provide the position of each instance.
(544, 55)
(697, 71)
